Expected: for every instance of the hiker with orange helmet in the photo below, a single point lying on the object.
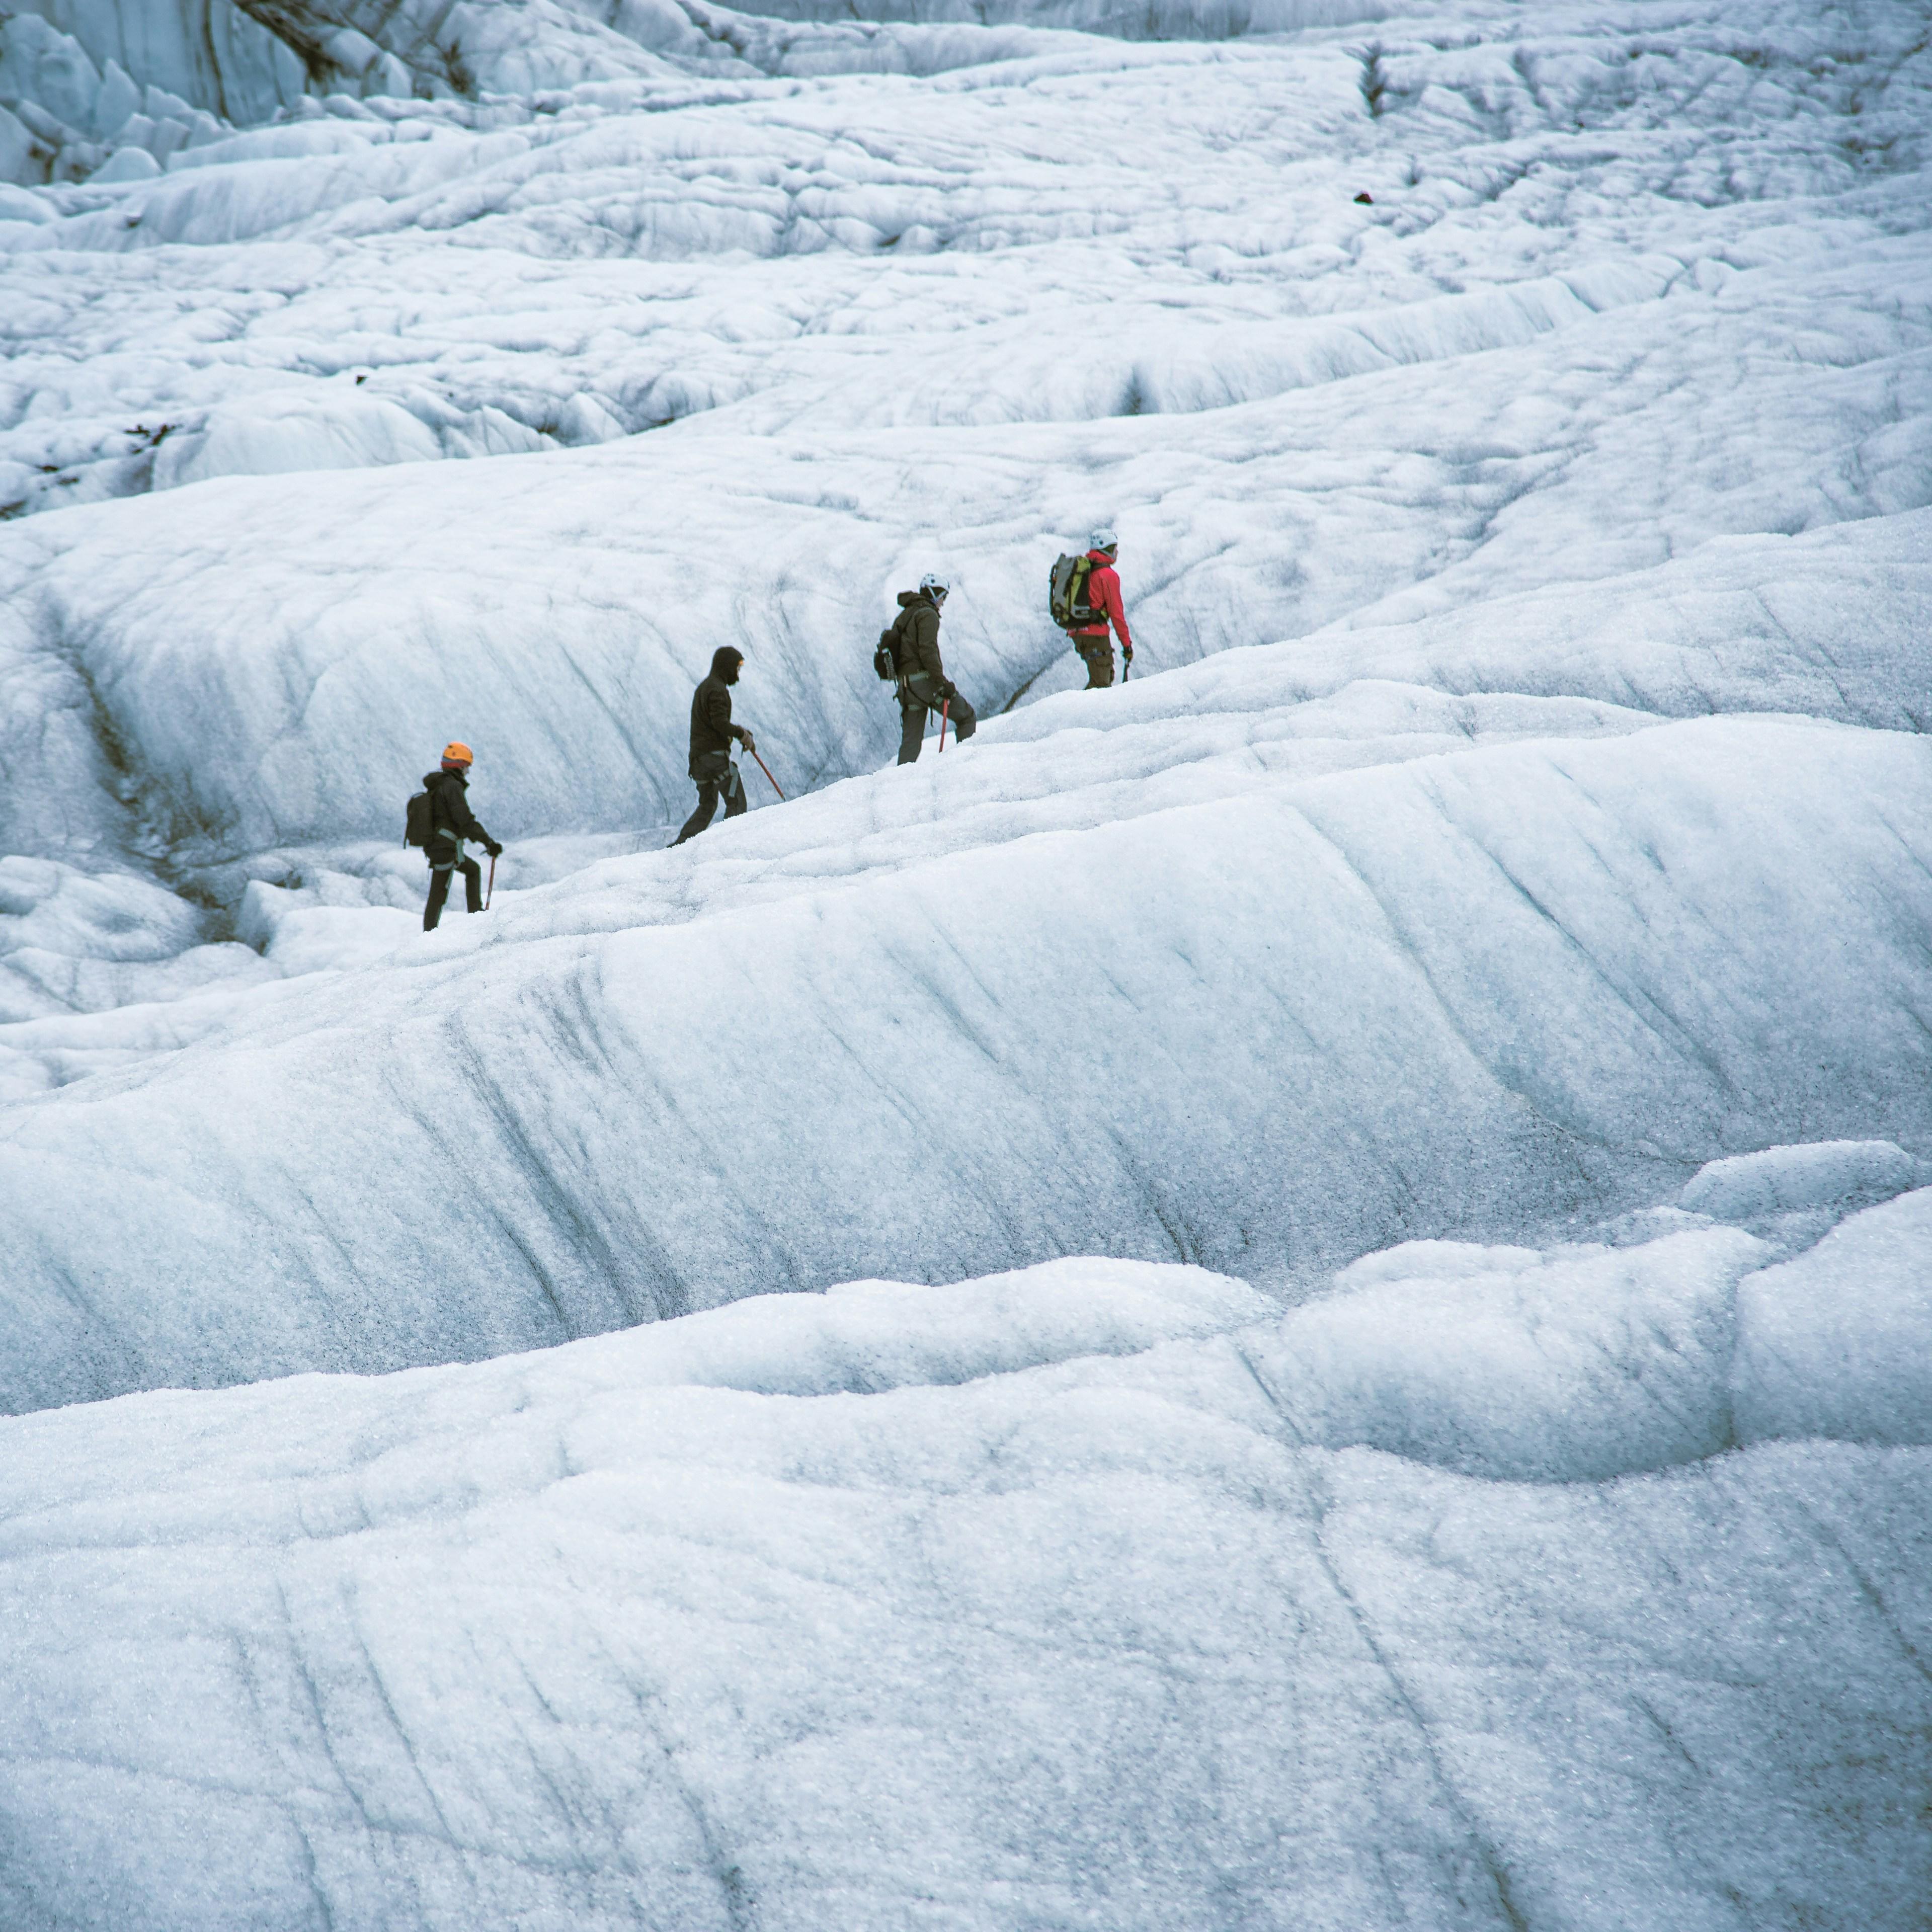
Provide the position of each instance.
(450, 823)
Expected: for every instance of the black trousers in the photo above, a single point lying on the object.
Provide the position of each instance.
(728, 786)
(439, 889)
(920, 697)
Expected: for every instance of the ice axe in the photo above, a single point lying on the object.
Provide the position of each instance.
(942, 710)
(492, 886)
(762, 766)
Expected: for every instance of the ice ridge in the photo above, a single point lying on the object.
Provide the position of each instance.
(597, 1635)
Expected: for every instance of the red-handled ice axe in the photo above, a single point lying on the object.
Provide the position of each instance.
(776, 786)
(942, 710)
(492, 886)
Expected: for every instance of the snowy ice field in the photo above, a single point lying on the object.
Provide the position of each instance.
(1298, 1294)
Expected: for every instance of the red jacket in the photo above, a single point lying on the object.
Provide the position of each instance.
(1103, 591)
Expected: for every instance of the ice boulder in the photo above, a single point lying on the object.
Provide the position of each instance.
(47, 67)
(296, 430)
(862, 1337)
(20, 204)
(210, 53)
(67, 936)
(1797, 1192)
(127, 164)
(1839, 1342)
(1569, 1366)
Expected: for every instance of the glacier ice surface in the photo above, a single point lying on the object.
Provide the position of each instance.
(940, 1605)
(1291, 1295)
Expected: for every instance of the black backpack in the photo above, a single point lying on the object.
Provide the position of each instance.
(1067, 602)
(419, 823)
(885, 657)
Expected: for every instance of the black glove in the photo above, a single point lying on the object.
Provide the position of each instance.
(490, 846)
(1127, 652)
(949, 690)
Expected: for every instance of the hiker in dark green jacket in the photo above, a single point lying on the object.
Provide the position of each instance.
(924, 688)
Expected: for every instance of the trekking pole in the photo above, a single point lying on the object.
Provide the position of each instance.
(942, 710)
(762, 767)
(492, 886)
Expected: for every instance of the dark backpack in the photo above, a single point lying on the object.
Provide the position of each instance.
(1067, 602)
(885, 657)
(420, 822)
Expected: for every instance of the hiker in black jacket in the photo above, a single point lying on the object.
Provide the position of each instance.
(924, 688)
(450, 823)
(712, 733)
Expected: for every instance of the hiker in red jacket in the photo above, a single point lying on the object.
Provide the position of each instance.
(1103, 594)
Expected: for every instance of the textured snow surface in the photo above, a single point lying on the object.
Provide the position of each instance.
(768, 234)
(1265, 1023)
(1041, 1600)
(1298, 1294)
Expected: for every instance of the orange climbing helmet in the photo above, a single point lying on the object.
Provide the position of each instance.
(457, 757)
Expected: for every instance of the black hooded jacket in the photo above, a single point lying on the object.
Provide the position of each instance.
(712, 730)
(449, 807)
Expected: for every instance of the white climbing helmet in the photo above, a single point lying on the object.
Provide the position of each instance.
(935, 586)
(1103, 538)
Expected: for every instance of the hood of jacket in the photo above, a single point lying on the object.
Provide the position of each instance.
(724, 660)
(432, 779)
(907, 598)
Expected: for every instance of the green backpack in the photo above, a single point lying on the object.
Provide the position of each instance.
(1067, 602)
